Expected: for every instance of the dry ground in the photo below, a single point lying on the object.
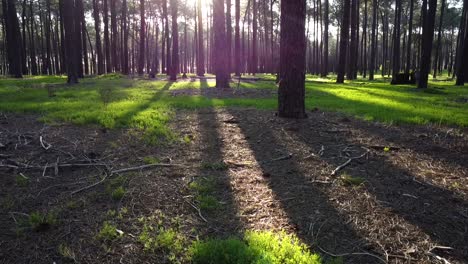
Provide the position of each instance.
(411, 207)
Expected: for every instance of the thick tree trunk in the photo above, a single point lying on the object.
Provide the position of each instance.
(175, 42)
(115, 37)
(344, 39)
(291, 93)
(353, 44)
(201, 46)
(124, 55)
(13, 38)
(410, 37)
(97, 27)
(462, 54)
(439, 37)
(78, 13)
(106, 36)
(70, 35)
(141, 59)
(396, 42)
(237, 53)
(373, 40)
(428, 38)
(220, 51)
(229, 35)
(254, 59)
(325, 39)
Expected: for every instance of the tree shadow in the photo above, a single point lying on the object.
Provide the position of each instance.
(312, 215)
(439, 213)
(133, 111)
(223, 221)
(413, 137)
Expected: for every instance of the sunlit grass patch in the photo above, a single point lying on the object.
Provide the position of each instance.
(115, 101)
(254, 248)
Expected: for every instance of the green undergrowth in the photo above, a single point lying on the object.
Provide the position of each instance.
(253, 248)
(114, 101)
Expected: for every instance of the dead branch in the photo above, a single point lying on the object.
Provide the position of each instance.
(44, 144)
(198, 210)
(90, 186)
(147, 167)
(351, 254)
(337, 169)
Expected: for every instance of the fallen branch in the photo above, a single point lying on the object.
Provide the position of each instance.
(147, 167)
(286, 157)
(337, 169)
(198, 210)
(44, 144)
(352, 254)
(90, 186)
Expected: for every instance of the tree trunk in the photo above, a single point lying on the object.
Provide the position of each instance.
(373, 40)
(254, 59)
(141, 59)
(13, 38)
(291, 93)
(175, 42)
(106, 36)
(410, 36)
(229, 35)
(124, 56)
(237, 55)
(353, 44)
(220, 51)
(68, 22)
(325, 39)
(396, 42)
(439, 37)
(344, 39)
(462, 54)
(97, 27)
(428, 37)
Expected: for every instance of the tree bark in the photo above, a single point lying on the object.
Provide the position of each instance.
(219, 49)
(141, 59)
(344, 39)
(175, 42)
(97, 27)
(68, 22)
(237, 55)
(373, 40)
(428, 38)
(291, 93)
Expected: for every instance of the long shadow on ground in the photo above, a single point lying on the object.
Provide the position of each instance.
(405, 218)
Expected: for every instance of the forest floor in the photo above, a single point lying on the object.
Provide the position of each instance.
(370, 192)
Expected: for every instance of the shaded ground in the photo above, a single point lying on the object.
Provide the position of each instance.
(404, 200)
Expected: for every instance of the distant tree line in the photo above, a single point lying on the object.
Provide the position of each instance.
(94, 37)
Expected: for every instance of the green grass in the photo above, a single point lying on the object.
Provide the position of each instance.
(253, 248)
(113, 101)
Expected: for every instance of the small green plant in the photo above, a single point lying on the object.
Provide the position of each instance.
(187, 139)
(351, 181)
(66, 252)
(8, 202)
(74, 204)
(108, 232)
(41, 222)
(254, 248)
(217, 166)
(21, 180)
(118, 193)
(204, 188)
(208, 202)
(151, 160)
(169, 240)
(105, 94)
